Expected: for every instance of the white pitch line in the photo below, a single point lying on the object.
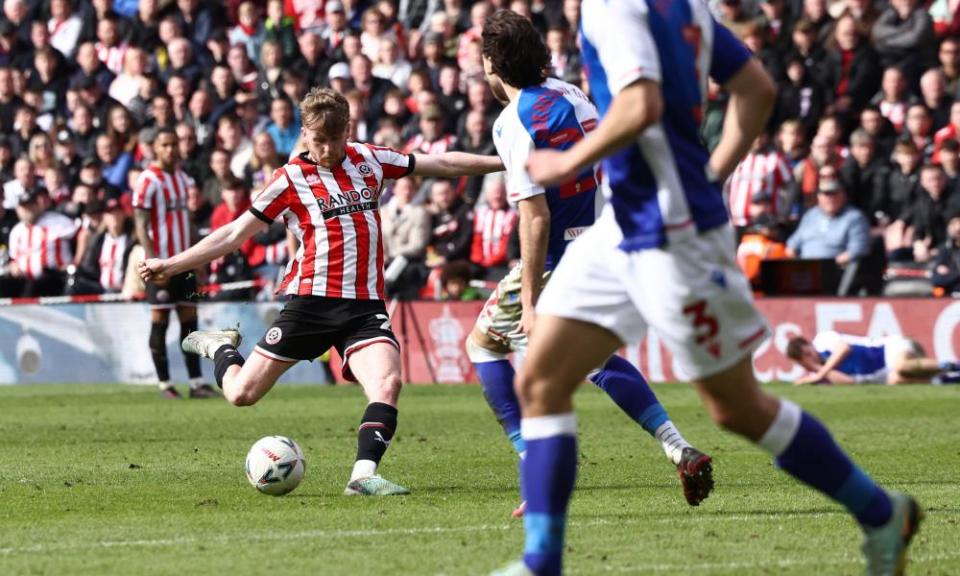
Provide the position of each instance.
(780, 563)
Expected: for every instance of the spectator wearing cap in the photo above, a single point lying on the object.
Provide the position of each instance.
(949, 132)
(103, 263)
(863, 175)
(431, 139)
(832, 229)
(763, 175)
(933, 95)
(927, 214)
(64, 26)
(311, 61)
(40, 245)
(852, 72)
(249, 30)
(903, 36)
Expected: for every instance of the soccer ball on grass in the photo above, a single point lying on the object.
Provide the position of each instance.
(275, 465)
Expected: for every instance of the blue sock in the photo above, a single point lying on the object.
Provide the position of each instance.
(804, 448)
(496, 377)
(629, 390)
(549, 472)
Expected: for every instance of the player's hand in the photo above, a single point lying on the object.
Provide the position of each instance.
(153, 270)
(549, 167)
(811, 378)
(527, 320)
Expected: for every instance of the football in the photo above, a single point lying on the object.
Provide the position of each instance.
(275, 465)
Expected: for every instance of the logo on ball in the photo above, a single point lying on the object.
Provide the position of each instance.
(274, 335)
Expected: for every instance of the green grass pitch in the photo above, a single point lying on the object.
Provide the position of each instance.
(114, 480)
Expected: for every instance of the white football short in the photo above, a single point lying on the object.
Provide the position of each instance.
(691, 293)
(898, 348)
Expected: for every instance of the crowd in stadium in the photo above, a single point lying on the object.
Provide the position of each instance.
(859, 170)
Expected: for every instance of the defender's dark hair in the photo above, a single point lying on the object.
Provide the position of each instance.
(516, 51)
(795, 347)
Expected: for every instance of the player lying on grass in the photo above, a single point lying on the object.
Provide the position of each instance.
(548, 113)
(663, 254)
(834, 358)
(329, 198)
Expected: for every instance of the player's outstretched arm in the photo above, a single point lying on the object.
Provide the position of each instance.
(633, 110)
(453, 164)
(220, 242)
(752, 96)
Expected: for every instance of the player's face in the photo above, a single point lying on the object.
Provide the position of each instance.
(165, 149)
(325, 148)
(810, 359)
(496, 84)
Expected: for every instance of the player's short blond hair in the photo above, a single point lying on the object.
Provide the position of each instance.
(326, 110)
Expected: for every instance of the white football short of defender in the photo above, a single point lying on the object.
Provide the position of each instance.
(691, 292)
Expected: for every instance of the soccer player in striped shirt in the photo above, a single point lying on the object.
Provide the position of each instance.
(662, 254)
(329, 198)
(540, 113)
(164, 229)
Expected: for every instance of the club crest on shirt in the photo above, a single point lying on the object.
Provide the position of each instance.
(312, 179)
(364, 169)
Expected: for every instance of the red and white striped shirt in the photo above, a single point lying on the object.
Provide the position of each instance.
(760, 173)
(111, 261)
(42, 245)
(335, 215)
(164, 194)
(112, 56)
(420, 144)
(491, 235)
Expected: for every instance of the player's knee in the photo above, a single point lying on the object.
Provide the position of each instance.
(240, 392)
(386, 389)
(531, 389)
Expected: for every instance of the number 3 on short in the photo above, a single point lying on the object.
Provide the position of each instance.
(705, 325)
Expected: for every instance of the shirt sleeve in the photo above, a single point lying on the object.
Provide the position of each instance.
(514, 145)
(395, 164)
(729, 54)
(143, 192)
(275, 199)
(620, 31)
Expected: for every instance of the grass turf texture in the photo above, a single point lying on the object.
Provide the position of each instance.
(114, 480)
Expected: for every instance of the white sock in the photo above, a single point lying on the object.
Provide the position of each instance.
(195, 383)
(363, 469)
(164, 384)
(672, 441)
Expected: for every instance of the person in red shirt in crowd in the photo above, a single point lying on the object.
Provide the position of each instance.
(329, 198)
(40, 245)
(493, 223)
(949, 132)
